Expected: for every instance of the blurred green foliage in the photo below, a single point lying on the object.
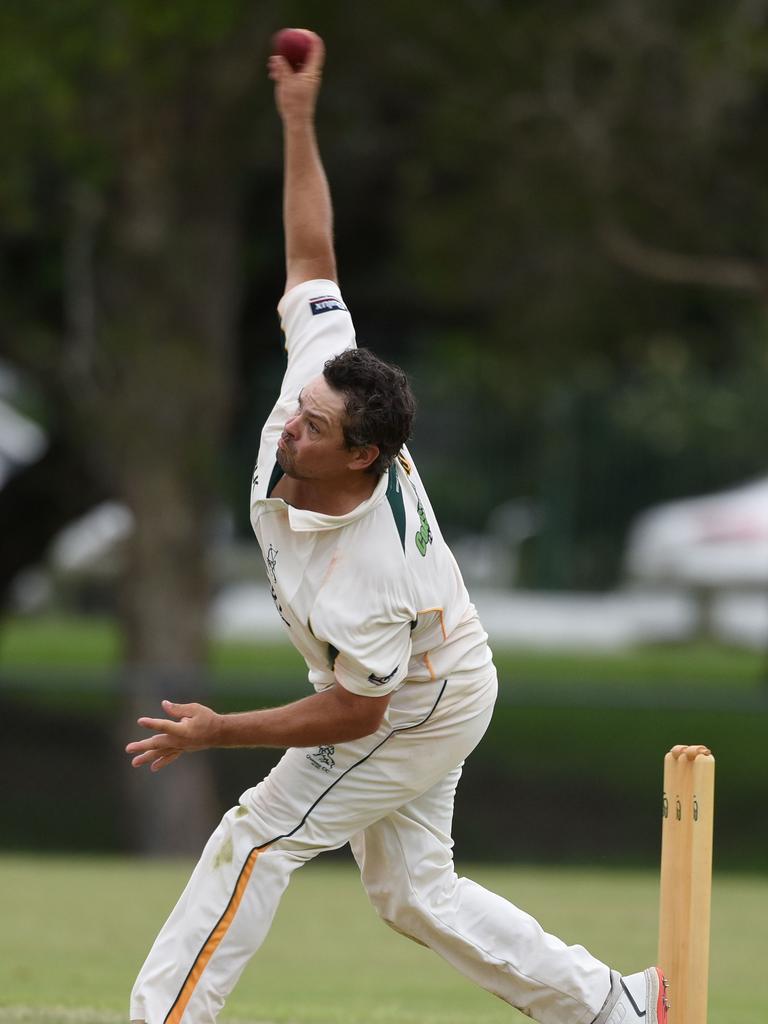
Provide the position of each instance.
(64, 656)
(554, 215)
(577, 774)
(574, 751)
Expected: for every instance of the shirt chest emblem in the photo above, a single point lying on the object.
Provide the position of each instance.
(424, 535)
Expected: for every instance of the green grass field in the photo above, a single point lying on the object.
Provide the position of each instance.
(75, 932)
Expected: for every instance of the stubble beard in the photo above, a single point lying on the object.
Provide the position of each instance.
(287, 463)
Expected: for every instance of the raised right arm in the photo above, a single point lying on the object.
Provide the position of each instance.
(307, 209)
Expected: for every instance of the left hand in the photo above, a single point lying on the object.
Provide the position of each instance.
(196, 729)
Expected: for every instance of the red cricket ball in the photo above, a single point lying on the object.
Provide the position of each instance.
(293, 44)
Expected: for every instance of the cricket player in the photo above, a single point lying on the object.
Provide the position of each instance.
(404, 682)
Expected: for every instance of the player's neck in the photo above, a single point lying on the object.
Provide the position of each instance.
(328, 497)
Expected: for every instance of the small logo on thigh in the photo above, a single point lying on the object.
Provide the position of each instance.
(323, 758)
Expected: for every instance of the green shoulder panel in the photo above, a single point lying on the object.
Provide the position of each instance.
(396, 503)
(274, 480)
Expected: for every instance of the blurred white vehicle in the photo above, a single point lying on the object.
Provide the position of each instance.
(720, 540)
(21, 441)
(715, 547)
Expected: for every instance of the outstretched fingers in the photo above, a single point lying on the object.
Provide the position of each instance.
(156, 758)
(188, 727)
(161, 741)
(159, 724)
(165, 759)
(180, 711)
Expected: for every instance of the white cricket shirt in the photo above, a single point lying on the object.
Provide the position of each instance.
(373, 598)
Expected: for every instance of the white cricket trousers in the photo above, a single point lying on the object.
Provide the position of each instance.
(390, 795)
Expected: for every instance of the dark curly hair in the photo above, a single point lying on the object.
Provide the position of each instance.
(378, 402)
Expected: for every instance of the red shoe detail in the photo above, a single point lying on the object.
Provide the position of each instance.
(662, 1004)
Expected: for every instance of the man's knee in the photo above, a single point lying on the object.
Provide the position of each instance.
(388, 901)
(397, 908)
(405, 908)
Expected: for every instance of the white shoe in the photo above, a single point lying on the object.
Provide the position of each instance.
(638, 997)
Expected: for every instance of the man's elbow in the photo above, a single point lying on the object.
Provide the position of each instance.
(372, 714)
(362, 716)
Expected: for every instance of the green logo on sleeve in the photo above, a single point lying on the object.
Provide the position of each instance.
(424, 535)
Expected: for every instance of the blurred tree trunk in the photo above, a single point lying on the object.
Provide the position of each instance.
(128, 162)
(153, 303)
(170, 309)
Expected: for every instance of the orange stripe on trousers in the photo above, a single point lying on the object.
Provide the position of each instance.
(212, 944)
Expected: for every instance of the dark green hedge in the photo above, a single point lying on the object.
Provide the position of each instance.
(548, 783)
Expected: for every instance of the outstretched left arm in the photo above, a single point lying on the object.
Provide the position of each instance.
(331, 716)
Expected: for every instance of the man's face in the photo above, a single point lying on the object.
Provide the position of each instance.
(312, 446)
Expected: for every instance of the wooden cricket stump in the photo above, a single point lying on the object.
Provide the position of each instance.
(686, 880)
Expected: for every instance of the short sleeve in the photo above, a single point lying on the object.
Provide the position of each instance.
(371, 656)
(317, 326)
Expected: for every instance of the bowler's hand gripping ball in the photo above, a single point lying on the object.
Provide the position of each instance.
(294, 44)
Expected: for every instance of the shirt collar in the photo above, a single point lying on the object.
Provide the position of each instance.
(303, 520)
